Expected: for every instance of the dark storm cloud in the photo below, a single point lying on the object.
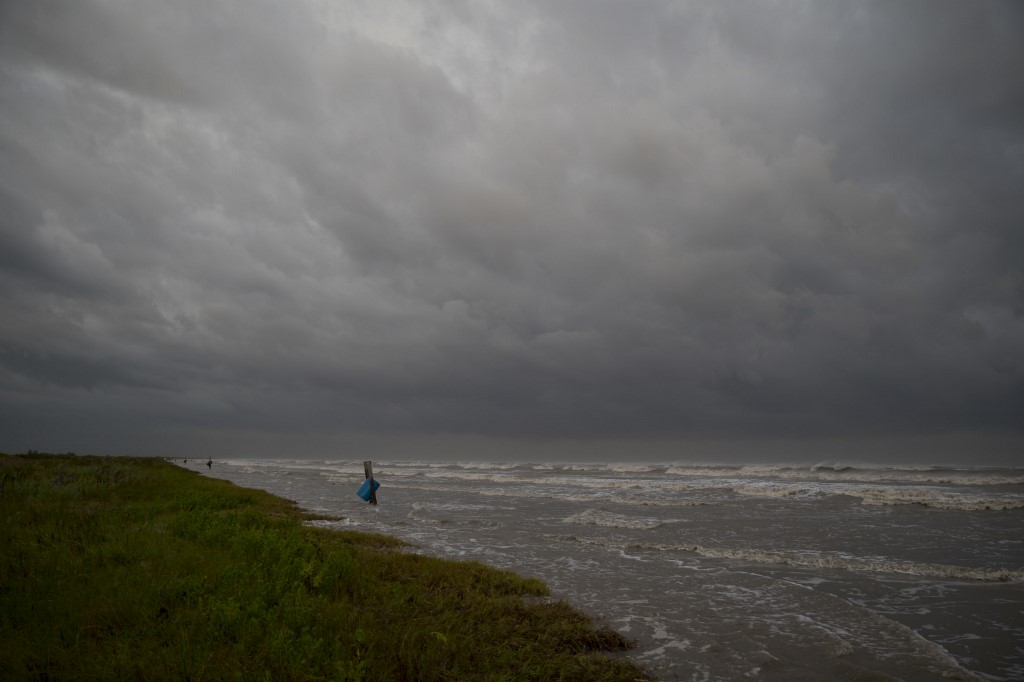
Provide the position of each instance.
(572, 221)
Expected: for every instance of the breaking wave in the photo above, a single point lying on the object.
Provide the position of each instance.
(844, 473)
(822, 471)
(599, 517)
(812, 559)
(928, 496)
(683, 492)
(522, 493)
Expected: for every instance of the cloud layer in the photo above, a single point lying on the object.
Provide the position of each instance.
(547, 221)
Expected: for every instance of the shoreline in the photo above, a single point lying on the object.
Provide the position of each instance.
(126, 567)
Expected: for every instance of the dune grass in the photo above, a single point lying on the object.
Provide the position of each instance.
(133, 568)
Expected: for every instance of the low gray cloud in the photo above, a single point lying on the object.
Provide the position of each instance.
(322, 224)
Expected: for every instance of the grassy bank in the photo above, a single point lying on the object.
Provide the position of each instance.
(116, 568)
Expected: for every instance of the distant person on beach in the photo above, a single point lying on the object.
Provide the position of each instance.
(209, 464)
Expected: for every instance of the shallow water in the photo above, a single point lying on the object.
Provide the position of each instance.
(784, 573)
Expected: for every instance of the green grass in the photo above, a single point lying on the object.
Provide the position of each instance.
(133, 568)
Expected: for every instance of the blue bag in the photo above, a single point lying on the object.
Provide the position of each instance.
(364, 490)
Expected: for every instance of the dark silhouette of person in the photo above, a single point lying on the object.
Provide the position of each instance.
(209, 464)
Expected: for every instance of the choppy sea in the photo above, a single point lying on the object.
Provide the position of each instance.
(723, 572)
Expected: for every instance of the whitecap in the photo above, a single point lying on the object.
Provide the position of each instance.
(600, 517)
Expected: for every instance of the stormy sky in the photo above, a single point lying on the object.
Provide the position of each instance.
(576, 229)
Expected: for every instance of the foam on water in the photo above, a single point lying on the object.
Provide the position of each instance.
(489, 465)
(779, 572)
(956, 498)
(834, 472)
(937, 498)
(600, 517)
(849, 563)
(598, 494)
(454, 506)
(918, 475)
(631, 468)
(816, 559)
(928, 496)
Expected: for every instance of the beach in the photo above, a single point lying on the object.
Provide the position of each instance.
(121, 568)
(719, 572)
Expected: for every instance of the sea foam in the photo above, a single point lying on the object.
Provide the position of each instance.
(815, 559)
(600, 517)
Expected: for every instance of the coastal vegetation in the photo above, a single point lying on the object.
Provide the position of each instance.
(134, 568)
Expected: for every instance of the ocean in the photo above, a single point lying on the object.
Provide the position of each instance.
(823, 572)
